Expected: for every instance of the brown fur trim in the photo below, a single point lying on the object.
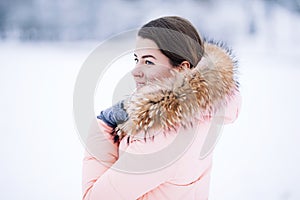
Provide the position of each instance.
(165, 104)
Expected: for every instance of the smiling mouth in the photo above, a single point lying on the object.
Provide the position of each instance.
(138, 85)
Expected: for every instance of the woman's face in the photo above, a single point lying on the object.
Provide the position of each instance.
(151, 63)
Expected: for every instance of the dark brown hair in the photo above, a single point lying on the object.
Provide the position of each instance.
(176, 38)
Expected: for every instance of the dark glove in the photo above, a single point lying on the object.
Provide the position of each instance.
(114, 115)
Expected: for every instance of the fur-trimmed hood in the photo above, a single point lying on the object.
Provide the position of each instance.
(175, 101)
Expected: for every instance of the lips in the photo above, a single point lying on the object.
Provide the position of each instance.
(140, 84)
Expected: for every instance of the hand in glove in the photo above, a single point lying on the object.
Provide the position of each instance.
(114, 115)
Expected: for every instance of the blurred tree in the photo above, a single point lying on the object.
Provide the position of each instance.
(292, 5)
(3, 15)
(98, 19)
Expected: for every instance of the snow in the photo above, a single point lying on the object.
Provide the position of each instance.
(40, 151)
(257, 157)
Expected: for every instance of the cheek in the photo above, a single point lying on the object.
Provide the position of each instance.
(158, 72)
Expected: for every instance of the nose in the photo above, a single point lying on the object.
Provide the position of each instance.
(137, 73)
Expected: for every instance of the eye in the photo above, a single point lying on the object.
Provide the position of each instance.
(148, 62)
(136, 60)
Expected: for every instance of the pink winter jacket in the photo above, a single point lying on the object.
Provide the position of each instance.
(186, 178)
(172, 166)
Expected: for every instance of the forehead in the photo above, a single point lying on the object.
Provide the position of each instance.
(146, 45)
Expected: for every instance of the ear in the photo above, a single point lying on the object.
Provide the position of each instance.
(184, 65)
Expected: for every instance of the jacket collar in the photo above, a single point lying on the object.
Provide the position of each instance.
(171, 102)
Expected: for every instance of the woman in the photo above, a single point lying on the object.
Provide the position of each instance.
(155, 136)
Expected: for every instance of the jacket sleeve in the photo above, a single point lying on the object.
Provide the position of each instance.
(123, 180)
(100, 154)
(231, 111)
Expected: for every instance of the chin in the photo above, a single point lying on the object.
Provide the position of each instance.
(138, 85)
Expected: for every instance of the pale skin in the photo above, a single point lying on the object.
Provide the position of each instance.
(151, 63)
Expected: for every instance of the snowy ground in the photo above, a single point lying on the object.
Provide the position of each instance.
(257, 157)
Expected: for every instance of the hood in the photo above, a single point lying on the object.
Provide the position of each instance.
(175, 101)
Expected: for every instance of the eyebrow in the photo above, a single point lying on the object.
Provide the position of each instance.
(146, 56)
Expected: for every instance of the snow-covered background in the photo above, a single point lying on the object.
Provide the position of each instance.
(257, 157)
